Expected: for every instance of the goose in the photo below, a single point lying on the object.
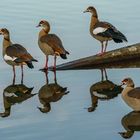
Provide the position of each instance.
(50, 44)
(103, 31)
(14, 94)
(131, 124)
(15, 54)
(131, 94)
(50, 92)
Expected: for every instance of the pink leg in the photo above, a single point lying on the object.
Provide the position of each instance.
(14, 75)
(105, 46)
(47, 80)
(55, 80)
(46, 65)
(22, 74)
(102, 47)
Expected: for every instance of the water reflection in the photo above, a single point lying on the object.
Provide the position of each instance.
(103, 90)
(15, 93)
(131, 123)
(50, 92)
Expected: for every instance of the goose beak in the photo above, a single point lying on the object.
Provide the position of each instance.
(38, 25)
(122, 83)
(85, 11)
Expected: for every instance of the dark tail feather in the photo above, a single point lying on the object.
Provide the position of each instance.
(29, 64)
(122, 36)
(117, 40)
(116, 35)
(34, 60)
(29, 90)
(63, 56)
(119, 37)
(67, 52)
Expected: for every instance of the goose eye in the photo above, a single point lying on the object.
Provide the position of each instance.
(125, 80)
(2, 30)
(41, 22)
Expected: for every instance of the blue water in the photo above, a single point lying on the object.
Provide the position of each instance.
(68, 118)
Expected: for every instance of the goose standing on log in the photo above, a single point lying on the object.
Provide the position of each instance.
(50, 44)
(15, 54)
(103, 31)
(130, 94)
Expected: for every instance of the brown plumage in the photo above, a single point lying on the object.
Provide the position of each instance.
(103, 31)
(50, 93)
(21, 54)
(131, 95)
(13, 94)
(50, 44)
(15, 54)
(131, 124)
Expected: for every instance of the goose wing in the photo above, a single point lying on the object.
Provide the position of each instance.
(134, 93)
(17, 53)
(54, 42)
(106, 29)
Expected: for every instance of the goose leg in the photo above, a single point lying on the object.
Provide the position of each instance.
(54, 67)
(102, 75)
(46, 65)
(102, 48)
(47, 80)
(55, 80)
(22, 74)
(106, 43)
(105, 74)
(14, 76)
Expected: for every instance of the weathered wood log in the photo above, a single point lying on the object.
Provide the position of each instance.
(120, 58)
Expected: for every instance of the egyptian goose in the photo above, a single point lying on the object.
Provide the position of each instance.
(15, 54)
(103, 90)
(13, 94)
(131, 123)
(130, 94)
(103, 31)
(50, 44)
(50, 92)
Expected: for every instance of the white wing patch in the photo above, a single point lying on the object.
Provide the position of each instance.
(99, 95)
(9, 58)
(99, 30)
(7, 94)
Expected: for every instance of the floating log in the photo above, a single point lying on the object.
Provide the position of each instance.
(120, 58)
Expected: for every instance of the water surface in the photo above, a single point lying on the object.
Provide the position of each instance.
(68, 117)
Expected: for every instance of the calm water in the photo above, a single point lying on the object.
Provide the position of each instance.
(68, 117)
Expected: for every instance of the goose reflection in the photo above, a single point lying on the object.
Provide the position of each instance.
(50, 92)
(15, 93)
(103, 90)
(131, 123)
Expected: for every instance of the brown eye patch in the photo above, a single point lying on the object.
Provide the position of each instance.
(2, 30)
(41, 22)
(90, 8)
(125, 80)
